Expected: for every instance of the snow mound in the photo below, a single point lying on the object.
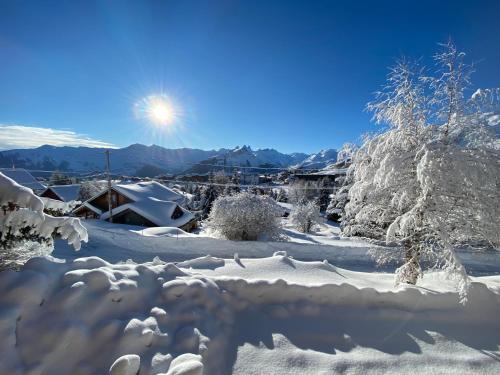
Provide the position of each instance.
(163, 232)
(126, 365)
(93, 317)
(202, 262)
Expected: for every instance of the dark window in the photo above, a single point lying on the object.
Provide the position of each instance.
(177, 213)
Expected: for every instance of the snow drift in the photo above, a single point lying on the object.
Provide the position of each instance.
(233, 316)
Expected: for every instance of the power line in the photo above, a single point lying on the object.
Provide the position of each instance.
(222, 166)
(290, 168)
(43, 171)
(244, 186)
(107, 173)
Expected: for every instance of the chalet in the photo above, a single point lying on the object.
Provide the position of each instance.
(24, 178)
(148, 204)
(63, 193)
(314, 177)
(331, 173)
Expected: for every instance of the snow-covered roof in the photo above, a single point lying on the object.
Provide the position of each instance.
(148, 189)
(155, 210)
(331, 172)
(65, 192)
(23, 177)
(90, 207)
(150, 200)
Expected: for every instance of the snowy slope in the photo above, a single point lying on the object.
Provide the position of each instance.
(319, 160)
(263, 157)
(274, 315)
(246, 157)
(115, 243)
(129, 159)
(124, 160)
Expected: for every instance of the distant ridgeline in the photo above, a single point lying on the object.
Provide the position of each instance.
(150, 161)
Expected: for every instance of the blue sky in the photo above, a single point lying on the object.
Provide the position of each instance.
(291, 75)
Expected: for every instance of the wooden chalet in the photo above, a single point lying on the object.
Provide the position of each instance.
(147, 204)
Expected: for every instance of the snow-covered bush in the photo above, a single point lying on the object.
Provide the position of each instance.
(304, 216)
(23, 222)
(431, 180)
(245, 216)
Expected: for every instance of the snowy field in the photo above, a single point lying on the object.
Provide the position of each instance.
(115, 243)
(276, 308)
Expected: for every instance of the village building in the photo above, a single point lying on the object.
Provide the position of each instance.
(63, 193)
(148, 204)
(332, 173)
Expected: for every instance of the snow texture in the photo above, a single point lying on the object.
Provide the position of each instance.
(279, 314)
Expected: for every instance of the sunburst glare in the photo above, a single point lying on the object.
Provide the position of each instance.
(158, 109)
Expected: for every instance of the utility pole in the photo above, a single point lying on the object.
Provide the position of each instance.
(108, 170)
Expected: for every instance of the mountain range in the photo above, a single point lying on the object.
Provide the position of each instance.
(141, 160)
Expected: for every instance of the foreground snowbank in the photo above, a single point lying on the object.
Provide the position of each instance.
(223, 316)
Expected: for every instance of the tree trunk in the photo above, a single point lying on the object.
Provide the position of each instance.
(412, 261)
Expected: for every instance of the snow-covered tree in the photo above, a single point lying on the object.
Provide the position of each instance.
(59, 178)
(220, 178)
(302, 191)
(325, 189)
(384, 169)
(23, 222)
(304, 216)
(346, 152)
(458, 207)
(282, 196)
(336, 207)
(449, 85)
(245, 216)
(90, 188)
(431, 179)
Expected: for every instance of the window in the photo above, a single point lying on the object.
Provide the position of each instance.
(177, 213)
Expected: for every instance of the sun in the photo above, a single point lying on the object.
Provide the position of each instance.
(160, 111)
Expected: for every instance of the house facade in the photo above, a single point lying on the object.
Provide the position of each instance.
(147, 204)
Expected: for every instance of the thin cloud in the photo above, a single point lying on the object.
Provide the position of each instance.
(19, 136)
